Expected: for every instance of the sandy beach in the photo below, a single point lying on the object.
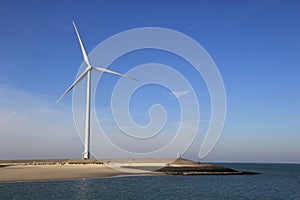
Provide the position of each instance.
(54, 172)
(42, 170)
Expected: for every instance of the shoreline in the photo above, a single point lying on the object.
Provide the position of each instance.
(64, 169)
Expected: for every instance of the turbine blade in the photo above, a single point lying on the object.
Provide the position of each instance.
(112, 72)
(75, 82)
(86, 58)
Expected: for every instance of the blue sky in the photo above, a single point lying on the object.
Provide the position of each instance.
(255, 45)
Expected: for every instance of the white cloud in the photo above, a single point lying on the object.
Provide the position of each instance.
(7, 116)
(32, 126)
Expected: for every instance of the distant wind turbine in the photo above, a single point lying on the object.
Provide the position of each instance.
(87, 72)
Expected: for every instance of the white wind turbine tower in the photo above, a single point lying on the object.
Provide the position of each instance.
(87, 72)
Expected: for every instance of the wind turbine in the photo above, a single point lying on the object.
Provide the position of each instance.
(87, 72)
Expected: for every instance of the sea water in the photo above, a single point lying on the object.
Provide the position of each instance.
(275, 181)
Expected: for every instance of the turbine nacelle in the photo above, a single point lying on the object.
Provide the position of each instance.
(89, 67)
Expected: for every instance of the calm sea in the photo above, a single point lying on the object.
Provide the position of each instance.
(276, 181)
